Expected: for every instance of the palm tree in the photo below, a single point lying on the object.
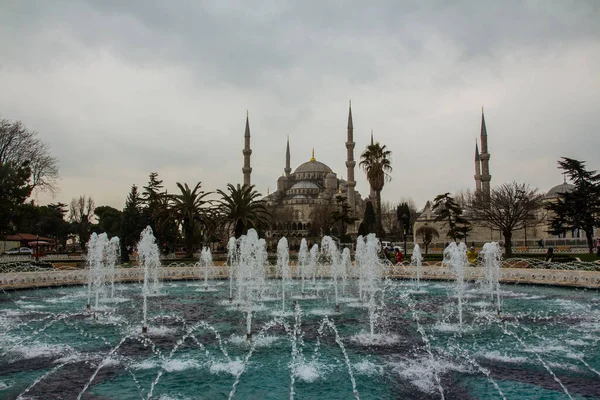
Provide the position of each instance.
(376, 163)
(241, 210)
(190, 211)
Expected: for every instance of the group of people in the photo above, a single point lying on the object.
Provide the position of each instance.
(394, 255)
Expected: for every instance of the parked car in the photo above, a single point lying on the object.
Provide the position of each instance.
(20, 250)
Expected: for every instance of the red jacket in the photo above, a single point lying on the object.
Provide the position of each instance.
(399, 256)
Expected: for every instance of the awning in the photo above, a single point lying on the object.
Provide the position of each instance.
(37, 243)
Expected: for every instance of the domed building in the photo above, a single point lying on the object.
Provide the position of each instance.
(536, 231)
(558, 189)
(305, 196)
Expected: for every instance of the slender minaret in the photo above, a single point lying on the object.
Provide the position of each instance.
(247, 170)
(477, 169)
(287, 168)
(371, 137)
(485, 160)
(350, 163)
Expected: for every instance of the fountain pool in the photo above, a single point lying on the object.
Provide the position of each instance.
(544, 345)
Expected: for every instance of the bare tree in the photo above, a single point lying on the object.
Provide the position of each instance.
(321, 217)
(388, 218)
(510, 207)
(462, 197)
(81, 215)
(19, 144)
(427, 234)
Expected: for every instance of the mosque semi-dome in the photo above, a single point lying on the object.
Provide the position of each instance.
(562, 188)
(304, 185)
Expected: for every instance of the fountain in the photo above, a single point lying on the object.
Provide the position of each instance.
(251, 274)
(96, 261)
(332, 255)
(202, 345)
(206, 264)
(283, 268)
(113, 256)
(491, 255)
(455, 257)
(231, 263)
(314, 259)
(417, 260)
(303, 262)
(149, 260)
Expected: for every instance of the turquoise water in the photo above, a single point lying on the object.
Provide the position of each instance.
(544, 345)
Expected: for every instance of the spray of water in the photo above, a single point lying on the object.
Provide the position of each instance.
(149, 261)
(455, 257)
(206, 263)
(283, 267)
(96, 260)
(492, 259)
(303, 262)
(332, 255)
(417, 260)
(232, 252)
(251, 275)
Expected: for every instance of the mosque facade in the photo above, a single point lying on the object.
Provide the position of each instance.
(306, 195)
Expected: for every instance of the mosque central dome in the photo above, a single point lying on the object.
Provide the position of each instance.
(313, 166)
(562, 188)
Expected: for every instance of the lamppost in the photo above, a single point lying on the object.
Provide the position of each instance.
(202, 227)
(405, 220)
(37, 248)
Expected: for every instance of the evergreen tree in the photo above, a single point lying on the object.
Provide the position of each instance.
(53, 223)
(580, 208)
(342, 217)
(450, 213)
(14, 190)
(403, 215)
(133, 222)
(369, 219)
(156, 213)
(110, 221)
(151, 198)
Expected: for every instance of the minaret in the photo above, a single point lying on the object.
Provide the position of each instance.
(287, 168)
(371, 137)
(485, 160)
(350, 163)
(477, 169)
(247, 170)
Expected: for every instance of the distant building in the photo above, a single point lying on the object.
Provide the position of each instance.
(479, 234)
(311, 186)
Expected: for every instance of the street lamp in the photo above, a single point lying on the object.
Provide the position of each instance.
(405, 220)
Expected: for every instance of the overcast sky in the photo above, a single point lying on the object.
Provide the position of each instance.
(119, 89)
